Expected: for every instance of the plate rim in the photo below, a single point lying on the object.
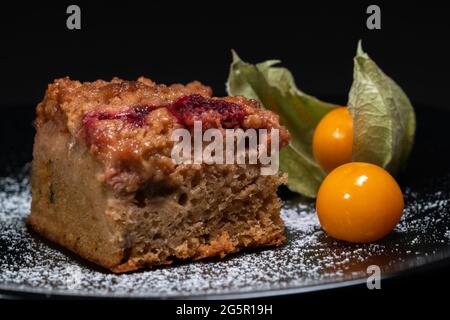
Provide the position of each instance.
(15, 293)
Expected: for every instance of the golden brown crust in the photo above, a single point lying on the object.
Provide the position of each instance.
(134, 154)
(75, 99)
(221, 247)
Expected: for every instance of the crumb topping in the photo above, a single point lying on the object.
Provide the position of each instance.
(127, 125)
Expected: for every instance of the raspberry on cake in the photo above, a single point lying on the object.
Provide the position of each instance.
(104, 184)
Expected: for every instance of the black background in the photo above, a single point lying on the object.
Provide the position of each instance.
(169, 42)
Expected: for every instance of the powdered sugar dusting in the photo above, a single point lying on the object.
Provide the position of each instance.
(310, 257)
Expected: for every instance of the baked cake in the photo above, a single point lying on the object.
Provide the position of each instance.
(104, 184)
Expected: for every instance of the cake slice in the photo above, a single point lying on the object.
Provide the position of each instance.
(104, 184)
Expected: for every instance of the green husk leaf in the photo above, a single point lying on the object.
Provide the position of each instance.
(383, 118)
(275, 88)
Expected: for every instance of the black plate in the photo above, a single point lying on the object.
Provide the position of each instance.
(309, 261)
